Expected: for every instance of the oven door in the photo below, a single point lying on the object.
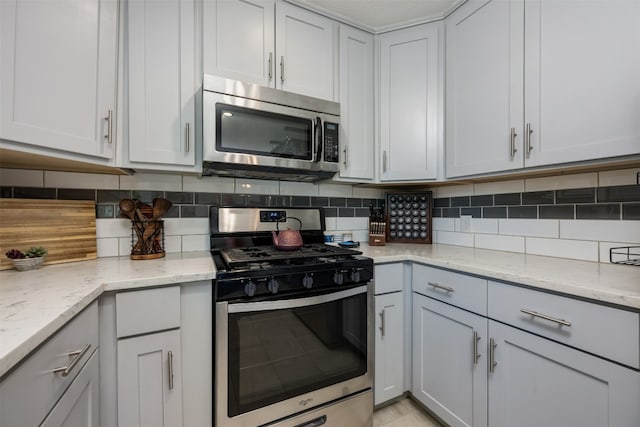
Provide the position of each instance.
(278, 358)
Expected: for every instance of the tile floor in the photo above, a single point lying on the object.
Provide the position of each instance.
(403, 413)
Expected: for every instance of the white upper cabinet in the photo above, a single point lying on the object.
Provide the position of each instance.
(582, 91)
(356, 104)
(484, 87)
(270, 44)
(541, 82)
(58, 75)
(161, 82)
(304, 52)
(409, 103)
(239, 40)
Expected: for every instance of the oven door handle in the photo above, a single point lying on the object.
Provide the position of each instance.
(246, 307)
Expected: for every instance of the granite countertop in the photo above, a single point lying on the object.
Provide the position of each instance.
(607, 283)
(35, 304)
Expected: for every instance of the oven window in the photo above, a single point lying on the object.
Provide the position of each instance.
(278, 354)
(245, 130)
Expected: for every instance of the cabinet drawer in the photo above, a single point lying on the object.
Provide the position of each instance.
(388, 278)
(149, 310)
(29, 392)
(457, 289)
(598, 329)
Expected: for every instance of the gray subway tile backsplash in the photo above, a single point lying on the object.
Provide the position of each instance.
(457, 202)
(620, 193)
(556, 212)
(631, 211)
(507, 199)
(619, 202)
(494, 212)
(538, 198)
(576, 195)
(599, 211)
(522, 212)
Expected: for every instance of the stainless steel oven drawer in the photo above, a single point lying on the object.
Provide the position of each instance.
(354, 411)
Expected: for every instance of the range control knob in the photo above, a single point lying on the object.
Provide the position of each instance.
(338, 277)
(249, 288)
(272, 285)
(307, 281)
(355, 274)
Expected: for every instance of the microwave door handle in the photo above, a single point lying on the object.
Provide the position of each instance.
(319, 140)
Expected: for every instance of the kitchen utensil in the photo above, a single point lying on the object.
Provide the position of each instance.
(160, 207)
(287, 240)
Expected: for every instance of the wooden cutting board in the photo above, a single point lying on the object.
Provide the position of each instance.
(65, 228)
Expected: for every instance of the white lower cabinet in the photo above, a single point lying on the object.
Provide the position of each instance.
(58, 384)
(449, 361)
(389, 346)
(554, 368)
(79, 405)
(537, 382)
(150, 380)
(156, 356)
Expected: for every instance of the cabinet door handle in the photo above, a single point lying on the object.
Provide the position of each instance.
(384, 161)
(345, 156)
(545, 317)
(282, 69)
(270, 66)
(439, 286)
(170, 357)
(382, 322)
(492, 355)
(77, 355)
(109, 120)
(188, 147)
(513, 142)
(476, 355)
(527, 139)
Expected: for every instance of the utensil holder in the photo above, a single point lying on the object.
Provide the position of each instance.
(377, 234)
(147, 239)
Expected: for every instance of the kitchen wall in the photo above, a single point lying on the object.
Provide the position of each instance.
(187, 224)
(576, 216)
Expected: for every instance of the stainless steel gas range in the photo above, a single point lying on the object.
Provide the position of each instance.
(293, 344)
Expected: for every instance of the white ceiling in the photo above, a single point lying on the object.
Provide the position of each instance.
(382, 15)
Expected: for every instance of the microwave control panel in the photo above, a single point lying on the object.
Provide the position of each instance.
(331, 142)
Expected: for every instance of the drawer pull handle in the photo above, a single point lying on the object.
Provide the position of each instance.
(170, 356)
(544, 316)
(77, 355)
(476, 355)
(439, 286)
(492, 355)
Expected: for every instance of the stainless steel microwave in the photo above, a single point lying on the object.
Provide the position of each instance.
(259, 132)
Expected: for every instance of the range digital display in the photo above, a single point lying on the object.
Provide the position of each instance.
(273, 216)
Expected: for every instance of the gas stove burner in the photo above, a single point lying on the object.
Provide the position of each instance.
(258, 265)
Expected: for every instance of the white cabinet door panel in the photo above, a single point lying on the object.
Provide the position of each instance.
(537, 382)
(58, 74)
(581, 79)
(239, 40)
(484, 87)
(389, 347)
(162, 82)
(409, 103)
(147, 396)
(304, 50)
(79, 405)
(356, 104)
(449, 371)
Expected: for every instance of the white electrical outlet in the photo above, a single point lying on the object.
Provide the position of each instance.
(465, 223)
